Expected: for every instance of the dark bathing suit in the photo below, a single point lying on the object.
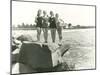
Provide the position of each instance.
(52, 22)
(39, 22)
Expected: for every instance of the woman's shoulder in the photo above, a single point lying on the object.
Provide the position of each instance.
(39, 17)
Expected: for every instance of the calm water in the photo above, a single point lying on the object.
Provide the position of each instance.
(81, 41)
(78, 35)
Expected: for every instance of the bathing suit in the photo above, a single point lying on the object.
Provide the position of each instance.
(52, 22)
(39, 21)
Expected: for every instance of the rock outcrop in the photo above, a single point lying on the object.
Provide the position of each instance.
(40, 57)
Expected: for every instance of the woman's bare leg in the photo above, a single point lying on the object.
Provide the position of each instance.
(45, 32)
(53, 34)
(38, 33)
(59, 30)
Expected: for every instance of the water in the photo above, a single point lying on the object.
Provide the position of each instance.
(82, 46)
(79, 34)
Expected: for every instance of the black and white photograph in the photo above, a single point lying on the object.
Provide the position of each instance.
(52, 37)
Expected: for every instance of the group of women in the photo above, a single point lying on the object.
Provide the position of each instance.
(45, 22)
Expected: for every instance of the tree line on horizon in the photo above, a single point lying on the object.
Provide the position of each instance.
(66, 26)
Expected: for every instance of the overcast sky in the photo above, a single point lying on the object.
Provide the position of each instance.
(75, 14)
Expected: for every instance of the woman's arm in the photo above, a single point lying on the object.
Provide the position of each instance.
(61, 22)
(35, 19)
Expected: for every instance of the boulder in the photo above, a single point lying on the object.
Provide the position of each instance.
(42, 57)
(36, 56)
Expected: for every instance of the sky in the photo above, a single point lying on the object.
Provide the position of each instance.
(25, 12)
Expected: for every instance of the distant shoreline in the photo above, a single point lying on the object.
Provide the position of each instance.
(49, 28)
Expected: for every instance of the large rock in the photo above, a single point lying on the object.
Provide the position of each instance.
(41, 57)
(36, 56)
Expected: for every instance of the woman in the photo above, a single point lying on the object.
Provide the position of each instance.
(38, 21)
(45, 26)
(59, 27)
(52, 26)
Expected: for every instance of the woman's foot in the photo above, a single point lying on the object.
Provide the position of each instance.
(53, 41)
(46, 42)
(60, 44)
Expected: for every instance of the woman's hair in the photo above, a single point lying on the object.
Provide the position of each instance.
(51, 13)
(57, 15)
(44, 12)
(39, 12)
